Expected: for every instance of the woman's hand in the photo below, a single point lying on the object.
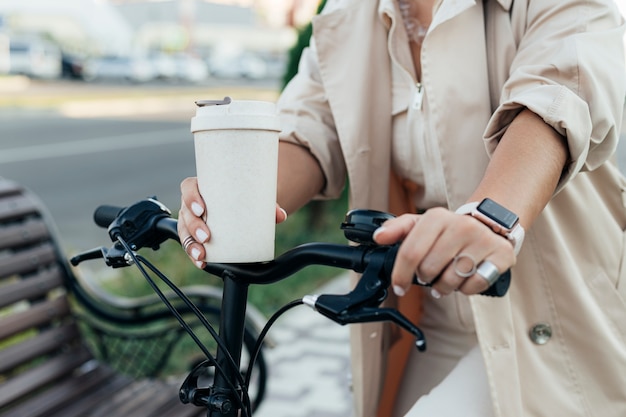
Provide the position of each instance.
(192, 230)
(430, 243)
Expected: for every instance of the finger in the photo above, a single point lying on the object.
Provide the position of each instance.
(461, 246)
(501, 256)
(456, 274)
(192, 207)
(192, 230)
(281, 214)
(414, 248)
(480, 281)
(190, 224)
(395, 230)
(194, 250)
(191, 196)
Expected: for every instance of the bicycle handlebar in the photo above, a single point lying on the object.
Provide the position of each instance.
(148, 223)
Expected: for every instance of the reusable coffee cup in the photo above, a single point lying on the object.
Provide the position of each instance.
(236, 150)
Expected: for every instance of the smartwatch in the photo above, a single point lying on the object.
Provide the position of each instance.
(498, 218)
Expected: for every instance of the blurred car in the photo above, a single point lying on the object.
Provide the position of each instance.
(164, 65)
(72, 66)
(118, 68)
(34, 57)
(178, 67)
(190, 68)
(240, 65)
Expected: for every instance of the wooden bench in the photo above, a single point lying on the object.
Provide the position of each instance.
(67, 352)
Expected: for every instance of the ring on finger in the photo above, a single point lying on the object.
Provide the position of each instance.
(455, 266)
(488, 271)
(188, 241)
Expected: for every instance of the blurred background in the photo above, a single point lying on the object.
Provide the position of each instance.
(149, 40)
(96, 98)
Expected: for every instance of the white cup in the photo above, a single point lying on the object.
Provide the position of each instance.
(236, 147)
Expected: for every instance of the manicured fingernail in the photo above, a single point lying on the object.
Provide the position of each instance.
(399, 291)
(419, 281)
(284, 212)
(378, 231)
(198, 264)
(195, 254)
(435, 293)
(201, 235)
(197, 209)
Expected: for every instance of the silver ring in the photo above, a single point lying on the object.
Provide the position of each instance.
(188, 241)
(464, 274)
(488, 271)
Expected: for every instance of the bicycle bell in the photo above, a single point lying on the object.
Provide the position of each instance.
(359, 225)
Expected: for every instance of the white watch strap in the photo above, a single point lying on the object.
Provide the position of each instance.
(467, 208)
(516, 235)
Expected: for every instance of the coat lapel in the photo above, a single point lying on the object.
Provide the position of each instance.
(358, 85)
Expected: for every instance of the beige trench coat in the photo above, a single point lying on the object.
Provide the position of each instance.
(569, 275)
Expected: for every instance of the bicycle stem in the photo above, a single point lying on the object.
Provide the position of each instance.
(231, 331)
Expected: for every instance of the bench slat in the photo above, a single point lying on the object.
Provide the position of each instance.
(8, 187)
(147, 398)
(50, 371)
(33, 287)
(20, 234)
(16, 206)
(28, 260)
(66, 394)
(44, 343)
(35, 316)
(84, 402)
(179, 409)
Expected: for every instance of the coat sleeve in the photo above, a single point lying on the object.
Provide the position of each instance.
(569, 68)
(307, 120)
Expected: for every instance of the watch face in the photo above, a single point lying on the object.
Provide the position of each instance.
(497, 213)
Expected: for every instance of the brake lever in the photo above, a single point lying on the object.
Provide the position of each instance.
(95, 253)
(115, 257)
(361, 305)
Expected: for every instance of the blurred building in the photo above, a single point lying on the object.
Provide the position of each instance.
(89, 25)
(123, 26)
(200, 25)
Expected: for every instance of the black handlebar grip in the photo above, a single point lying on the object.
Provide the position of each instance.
(500, 287)
(104, 215)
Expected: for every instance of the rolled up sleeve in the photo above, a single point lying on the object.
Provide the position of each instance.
(306, 120)
(570, 70)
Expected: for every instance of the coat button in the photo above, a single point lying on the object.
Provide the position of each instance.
(540, 333)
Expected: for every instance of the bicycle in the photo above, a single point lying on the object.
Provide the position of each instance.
(217, 383)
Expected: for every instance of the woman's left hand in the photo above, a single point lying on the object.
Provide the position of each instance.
(443, 248)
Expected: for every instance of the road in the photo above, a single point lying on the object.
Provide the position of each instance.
(115, 147)
(74, 165)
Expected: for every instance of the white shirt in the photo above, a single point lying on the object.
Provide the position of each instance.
(414, 147)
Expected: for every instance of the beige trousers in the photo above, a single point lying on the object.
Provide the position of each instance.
(449, 379)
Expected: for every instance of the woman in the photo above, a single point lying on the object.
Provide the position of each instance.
(430, 107)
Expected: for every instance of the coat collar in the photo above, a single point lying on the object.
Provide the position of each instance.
(448, 9)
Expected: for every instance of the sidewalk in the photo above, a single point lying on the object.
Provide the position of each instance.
(309, 369)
